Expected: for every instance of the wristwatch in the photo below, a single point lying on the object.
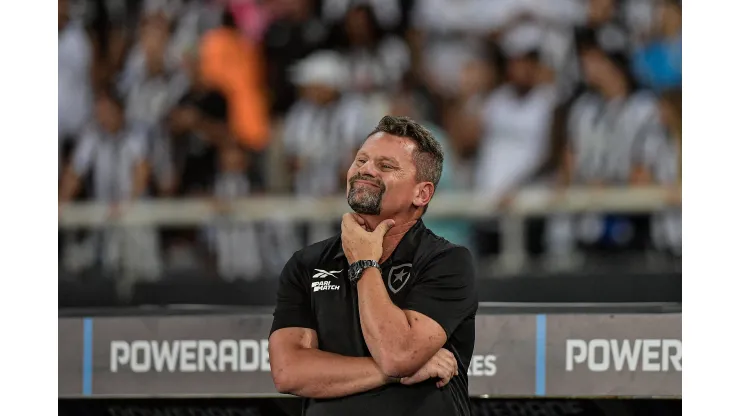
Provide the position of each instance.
(356, 269)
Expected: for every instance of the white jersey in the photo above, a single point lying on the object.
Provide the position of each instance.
(515, 138)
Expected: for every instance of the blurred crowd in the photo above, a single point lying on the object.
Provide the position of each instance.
(230, 98)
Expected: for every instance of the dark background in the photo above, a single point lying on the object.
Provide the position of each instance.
(291, 407)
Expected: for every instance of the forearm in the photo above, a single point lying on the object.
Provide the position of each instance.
(214, 131)
(565, 173)
(69, 188)
(385, 327)
(141, 177)
(319, 374)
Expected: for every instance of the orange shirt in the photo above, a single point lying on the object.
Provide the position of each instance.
(233, 65)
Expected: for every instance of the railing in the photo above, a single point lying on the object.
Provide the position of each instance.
(527, 203)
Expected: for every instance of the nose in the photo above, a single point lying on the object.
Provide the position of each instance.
(368, 169)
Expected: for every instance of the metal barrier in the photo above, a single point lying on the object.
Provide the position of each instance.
(527, 203)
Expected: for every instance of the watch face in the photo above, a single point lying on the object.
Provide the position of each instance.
(354, 271)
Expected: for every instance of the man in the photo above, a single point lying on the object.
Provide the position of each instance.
(323, 129)
(657, 63)
(114, 155)
(381, 318)
(75, 100)
(233, 65)
(454, 230)
(151, 94)
(606, 126)
(514, 120)
(294, 33)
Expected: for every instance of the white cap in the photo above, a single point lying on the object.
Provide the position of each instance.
(324, 68)
(522, 38)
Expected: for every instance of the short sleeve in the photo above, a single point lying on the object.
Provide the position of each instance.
(295, 121)
(445, 289)
(293, 307)
(138, 145)
(648, 129)
(648, 145)
(176, 89)
(84, 154)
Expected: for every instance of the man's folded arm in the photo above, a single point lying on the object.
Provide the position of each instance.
(298, 367)
(402, 339)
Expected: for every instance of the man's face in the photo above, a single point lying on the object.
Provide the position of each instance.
(154, 38)
(667, 17)
(403, 105)
(357, 25)
(62, 13)
(522, 72)
(382, 178)
(595, 67)
(475, 76)
(318, 94)
(108, 114)
(600, 11)
(232, 160)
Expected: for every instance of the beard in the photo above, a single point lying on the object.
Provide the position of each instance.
(365, 199)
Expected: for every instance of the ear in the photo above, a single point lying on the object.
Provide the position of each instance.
(423, 194)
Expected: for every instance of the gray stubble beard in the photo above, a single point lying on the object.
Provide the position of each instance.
(367, 203)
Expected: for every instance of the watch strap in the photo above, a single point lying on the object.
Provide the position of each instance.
(358, 267)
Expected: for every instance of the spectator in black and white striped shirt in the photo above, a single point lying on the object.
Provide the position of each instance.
(236, 246)
(74, 80)
(152, 93)
(325, 126)
(114, 154)
(376, 61)
(662, 166)
(199, 125)
(294, 33)
(113, 151)
(607, 128)
(388, 12)
(610, 122)
(322, 130)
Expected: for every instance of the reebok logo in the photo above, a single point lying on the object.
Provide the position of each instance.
(321, 274)
(322, 285)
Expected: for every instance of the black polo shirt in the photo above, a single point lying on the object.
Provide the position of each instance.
(425, 273)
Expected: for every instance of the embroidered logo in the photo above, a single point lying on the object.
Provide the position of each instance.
(321, 274)
(398, 276)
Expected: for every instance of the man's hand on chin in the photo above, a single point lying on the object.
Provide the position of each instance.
(360, 244)
(363, 223)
